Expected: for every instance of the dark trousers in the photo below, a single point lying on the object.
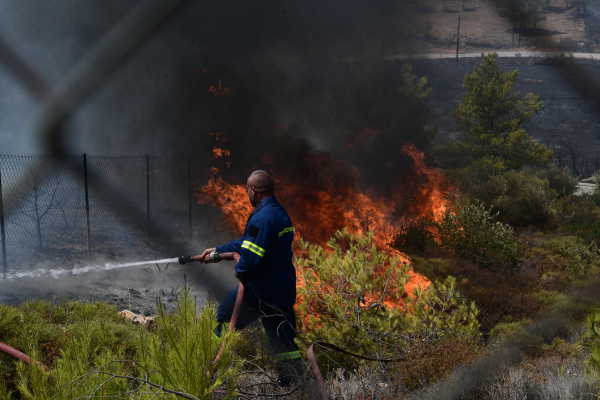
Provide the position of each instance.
(279, 324)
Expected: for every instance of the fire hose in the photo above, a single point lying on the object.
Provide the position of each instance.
(19, 356)
(215, 257)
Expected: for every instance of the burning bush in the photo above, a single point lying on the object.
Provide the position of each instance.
(353, 297)
(472, 234)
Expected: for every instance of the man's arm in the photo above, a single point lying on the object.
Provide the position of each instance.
(253, 247)
(233, 246)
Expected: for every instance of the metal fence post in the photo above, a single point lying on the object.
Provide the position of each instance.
(4, 263)
(148, 195)
(190, 193)
(87, 204)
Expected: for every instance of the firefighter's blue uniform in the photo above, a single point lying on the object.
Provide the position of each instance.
(266, 266)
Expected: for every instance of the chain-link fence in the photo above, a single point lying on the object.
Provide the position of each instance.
(67, 211)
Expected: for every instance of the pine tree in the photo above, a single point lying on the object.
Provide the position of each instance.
(491, 118)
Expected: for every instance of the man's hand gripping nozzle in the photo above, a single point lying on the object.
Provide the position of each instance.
(212, 257)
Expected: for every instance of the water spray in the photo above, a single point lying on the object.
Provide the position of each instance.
(61, 272)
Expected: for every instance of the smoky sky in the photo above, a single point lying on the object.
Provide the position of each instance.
(278, 58)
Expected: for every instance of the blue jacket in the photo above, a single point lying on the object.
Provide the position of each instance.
(266, 254)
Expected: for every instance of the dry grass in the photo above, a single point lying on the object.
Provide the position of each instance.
(544, 378)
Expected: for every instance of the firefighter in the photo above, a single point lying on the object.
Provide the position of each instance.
(266, 267)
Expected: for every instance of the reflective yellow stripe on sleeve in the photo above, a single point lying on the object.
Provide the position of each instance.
(286, 230)
(253, 248)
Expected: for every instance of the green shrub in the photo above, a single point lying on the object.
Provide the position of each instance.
(516, 334)
(344, 295)
(564, 242)
(579, 260)
(94, 361)
(353, 296)
(443, 311)
(433, 269)
(547, 297)
(45, 328)
(472, 234)
(579, 213)
(520, 197)
(413, 235)
(559, 179)
(510, 328)
(183, 349)
(567, 350)
(593, 332)
(471, 177)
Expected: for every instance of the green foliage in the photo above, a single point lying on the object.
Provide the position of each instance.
(44, 328)
(491, 117)
(592, 323)
(352, 285)
(559, 179)
(547, 297)
(470, 178)
(579, 260)
(413, 235)
(352, 296)
(521, 198)
(95, 358)
(510, 328)
(433, 269)
(184, 347)
(472, 233)
(443, 311)
(579, 214)
(556, 245)
(567, 350)
(80, 370)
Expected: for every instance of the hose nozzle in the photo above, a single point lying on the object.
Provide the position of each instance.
(213, 257)
(185, 259)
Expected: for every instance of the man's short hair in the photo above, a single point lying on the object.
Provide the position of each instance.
(264, 181)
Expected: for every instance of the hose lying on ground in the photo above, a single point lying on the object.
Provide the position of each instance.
(18, 355)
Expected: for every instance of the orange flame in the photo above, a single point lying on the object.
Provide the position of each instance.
(431, 196)
(317, 214)
(219, 136)
(218, 153)
(220, 90)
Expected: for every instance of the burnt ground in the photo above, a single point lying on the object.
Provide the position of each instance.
(561, 28)
(136, 288)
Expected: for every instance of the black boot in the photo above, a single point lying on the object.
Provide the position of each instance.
(290, 371)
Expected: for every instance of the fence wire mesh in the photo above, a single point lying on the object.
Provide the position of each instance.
(50, 217)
